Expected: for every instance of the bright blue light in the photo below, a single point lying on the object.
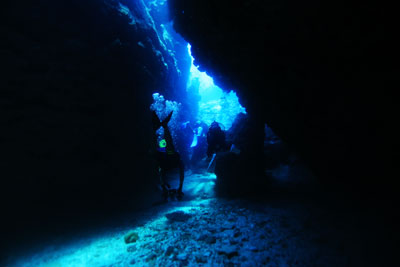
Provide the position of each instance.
(207, 87)
(215, 104)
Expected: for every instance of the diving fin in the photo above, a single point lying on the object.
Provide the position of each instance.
(164, 123)
(156, 121)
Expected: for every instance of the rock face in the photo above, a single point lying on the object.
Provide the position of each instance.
(76, 85)
(320, 75)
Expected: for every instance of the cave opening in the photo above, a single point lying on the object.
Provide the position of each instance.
(215, 104)
(196, 101)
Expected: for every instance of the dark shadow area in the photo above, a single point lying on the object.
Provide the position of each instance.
(363, 230)
(76, 79)
(320, 75)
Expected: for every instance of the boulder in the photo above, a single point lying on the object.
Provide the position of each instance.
(178, 216)
(131, 237)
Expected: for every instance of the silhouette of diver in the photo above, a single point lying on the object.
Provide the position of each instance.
(215, 139)
(167, 157)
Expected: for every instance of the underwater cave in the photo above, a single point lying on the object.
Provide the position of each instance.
(198, 133)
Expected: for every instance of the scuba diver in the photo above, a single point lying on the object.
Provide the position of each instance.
(184, 141)
(199, 145)
(215, 139)
(167, 157)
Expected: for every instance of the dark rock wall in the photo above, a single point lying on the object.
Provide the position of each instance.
(320, 74)
(177, 48)
(76, 85)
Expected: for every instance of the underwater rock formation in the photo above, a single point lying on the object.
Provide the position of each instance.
(319, 74)
(241, 171)
(77, 80)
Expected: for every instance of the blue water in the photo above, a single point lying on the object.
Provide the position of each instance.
(215, 104)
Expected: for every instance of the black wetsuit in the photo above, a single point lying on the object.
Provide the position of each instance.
(215, 139)
(168, 159)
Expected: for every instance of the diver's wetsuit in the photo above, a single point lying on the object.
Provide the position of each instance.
(215, 139)
(168, 159)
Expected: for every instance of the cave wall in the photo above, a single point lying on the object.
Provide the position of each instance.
(176, 47)
(322, 75)
(76, 85)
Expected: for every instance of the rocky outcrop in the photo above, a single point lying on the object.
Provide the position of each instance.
(241, 171)
(319, 74)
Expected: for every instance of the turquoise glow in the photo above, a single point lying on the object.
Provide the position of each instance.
(215, 104)
(106, 247)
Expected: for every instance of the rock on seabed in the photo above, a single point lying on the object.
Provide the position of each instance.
(131, 237)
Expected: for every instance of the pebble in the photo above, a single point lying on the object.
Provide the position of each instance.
(178, 216)
(131, 237)
(169, 250)
(181, 257)
(210, 240)
(201, 258)
(151, 257)
(229, 251)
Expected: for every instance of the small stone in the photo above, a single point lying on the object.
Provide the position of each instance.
(178, 216)
(233, 242)
(133, 261)
(228, 233)
(243, 258)
(237, 234)
(151, 257)
(211, 230)
(210, 240)
(169, 251)
(201, 237)
(227, 227)
(181, 257)
(253, 249)
(183, 263)
(229, 251)
(201, 259)
(131, 237)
